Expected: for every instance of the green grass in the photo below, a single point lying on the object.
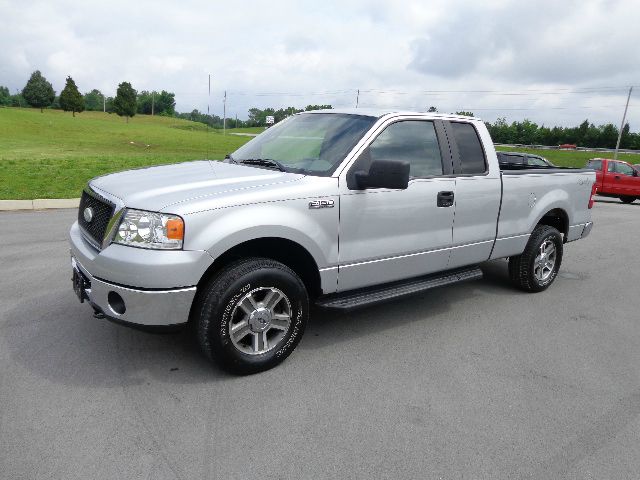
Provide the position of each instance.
(52, 154)
(570, 158)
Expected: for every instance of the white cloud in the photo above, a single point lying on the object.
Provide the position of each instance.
(321, 52)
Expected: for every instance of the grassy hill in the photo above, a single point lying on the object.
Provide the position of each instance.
(52, 154)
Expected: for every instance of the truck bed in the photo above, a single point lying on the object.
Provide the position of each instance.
(564, 190)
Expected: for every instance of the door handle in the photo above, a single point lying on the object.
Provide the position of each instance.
(617, 177)
(445, 199)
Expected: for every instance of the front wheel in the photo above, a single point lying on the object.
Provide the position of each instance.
(627, 199)
(537, 267)
(251, 315)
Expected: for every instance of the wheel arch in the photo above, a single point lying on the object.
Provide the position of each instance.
(283, 250)
(557, 218)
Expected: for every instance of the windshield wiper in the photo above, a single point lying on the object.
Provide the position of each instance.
(267, 162)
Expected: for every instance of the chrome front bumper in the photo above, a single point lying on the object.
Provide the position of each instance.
(130, 305)
(157, 287)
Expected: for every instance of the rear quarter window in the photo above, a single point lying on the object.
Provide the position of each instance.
(472, 159)
(595, 164)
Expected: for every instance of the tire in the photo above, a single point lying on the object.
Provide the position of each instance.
(627, 199)
(253, 298)
(527, 271)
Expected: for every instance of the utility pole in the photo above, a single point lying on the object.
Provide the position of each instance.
(236, 120)
(153, 101)
(208, 116)
(624, 117)
(104, 104)
(357, 98)
(224, 114)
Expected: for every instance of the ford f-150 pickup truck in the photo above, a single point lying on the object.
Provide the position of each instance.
(340, 208)
(615, 178)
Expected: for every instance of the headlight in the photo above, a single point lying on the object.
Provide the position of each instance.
(150, 230)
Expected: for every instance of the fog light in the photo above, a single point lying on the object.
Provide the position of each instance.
(116, 303)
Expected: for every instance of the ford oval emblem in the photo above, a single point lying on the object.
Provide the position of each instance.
(88, 214)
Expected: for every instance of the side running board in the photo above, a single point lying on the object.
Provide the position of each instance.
(378, 294)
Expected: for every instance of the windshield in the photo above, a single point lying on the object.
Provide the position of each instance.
(312, 143)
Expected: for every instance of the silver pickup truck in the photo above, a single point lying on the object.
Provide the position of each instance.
(339, 208)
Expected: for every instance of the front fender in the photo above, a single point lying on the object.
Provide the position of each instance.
(316, 230)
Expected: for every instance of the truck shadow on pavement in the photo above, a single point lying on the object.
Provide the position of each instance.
(69, 346)
(329, 327)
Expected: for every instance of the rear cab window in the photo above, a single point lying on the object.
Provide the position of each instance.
(595, 165)
(471, 157)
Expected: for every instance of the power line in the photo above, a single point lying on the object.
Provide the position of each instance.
(501, 108)
(354, 91)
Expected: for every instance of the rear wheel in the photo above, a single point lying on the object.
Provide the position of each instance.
(627, 199)
(537, 267)
(251, 315)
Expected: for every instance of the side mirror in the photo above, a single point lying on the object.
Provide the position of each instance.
(635, 173)
(384, 174)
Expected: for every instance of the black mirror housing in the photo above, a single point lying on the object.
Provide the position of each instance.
(384, 174)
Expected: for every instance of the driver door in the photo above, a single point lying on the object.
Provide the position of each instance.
(625, 180)
(392, 234)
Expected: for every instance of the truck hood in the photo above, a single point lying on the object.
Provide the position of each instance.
(157, 188)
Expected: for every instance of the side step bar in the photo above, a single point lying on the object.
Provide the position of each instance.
(378, 294)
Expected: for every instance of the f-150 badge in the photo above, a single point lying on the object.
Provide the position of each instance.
(321, 204)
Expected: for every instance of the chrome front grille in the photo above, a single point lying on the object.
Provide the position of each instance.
(93, 216)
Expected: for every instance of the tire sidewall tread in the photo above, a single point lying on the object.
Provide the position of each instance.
(521, 268)
(219, 297)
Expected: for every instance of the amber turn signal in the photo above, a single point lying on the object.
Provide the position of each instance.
(175, 229)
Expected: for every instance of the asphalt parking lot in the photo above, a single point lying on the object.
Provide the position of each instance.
(473, 381)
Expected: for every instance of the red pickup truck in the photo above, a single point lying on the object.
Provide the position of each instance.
(615, 178)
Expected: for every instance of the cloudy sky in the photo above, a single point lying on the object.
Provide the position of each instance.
(555, 62)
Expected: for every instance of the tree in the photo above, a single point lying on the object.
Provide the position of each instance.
(309, 108)
(146, 102)
(5, 97)
(108, 105)
(165, 103)
(93, 101)
(154, 103)
(18, 100)
(70, 98)
(465, 114)
(432, 109)
(608, 136)
(38, 92)
(125, 103)
(627, 140)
